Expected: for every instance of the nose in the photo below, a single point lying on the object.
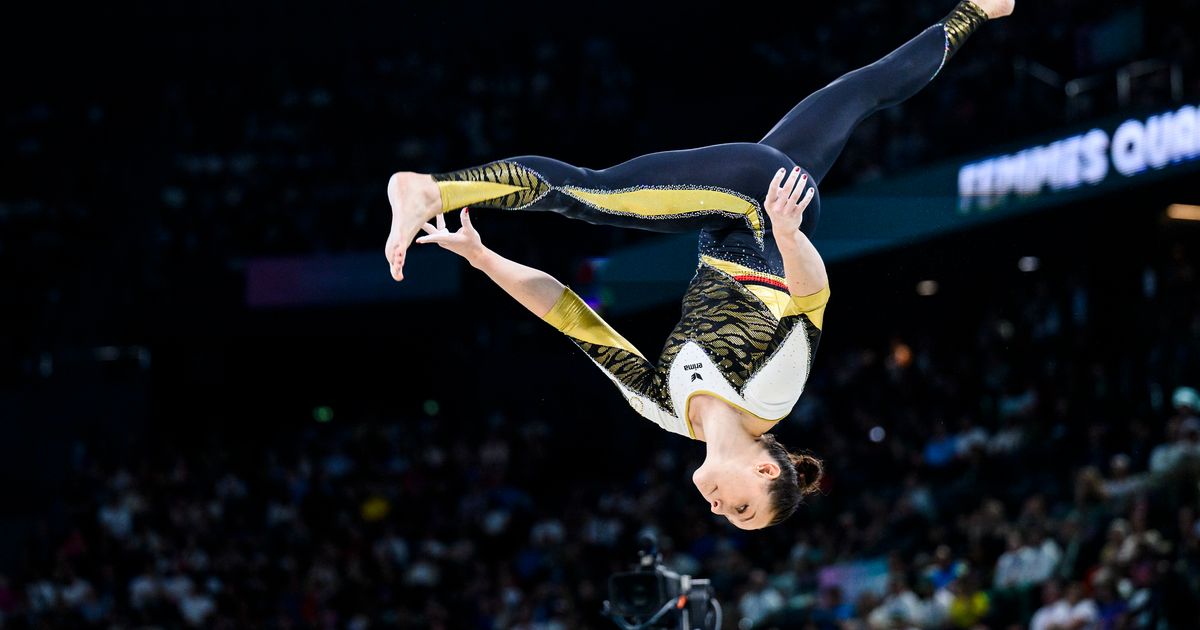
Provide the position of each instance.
(716, 506)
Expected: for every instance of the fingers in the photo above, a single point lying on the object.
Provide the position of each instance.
(794, 196)
(773, 191)
(465, 217)
(433, 238)
(808, 197)
(790, 184)
(441, 221)
(429, 228)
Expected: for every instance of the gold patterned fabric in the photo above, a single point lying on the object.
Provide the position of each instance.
(612, 352)
(632, 370)
(651, 192)
(575, 319)
(654, 202)
(769, 289)
(735, 327)
(503, 185)
(965, 19)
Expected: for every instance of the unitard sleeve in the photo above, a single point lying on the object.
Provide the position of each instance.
(637, 378)
(812, 306)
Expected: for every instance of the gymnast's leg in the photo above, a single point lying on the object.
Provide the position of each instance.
(816, 130)
(709, 188)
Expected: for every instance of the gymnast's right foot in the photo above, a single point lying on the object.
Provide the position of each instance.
(996, 8)
(415, 199)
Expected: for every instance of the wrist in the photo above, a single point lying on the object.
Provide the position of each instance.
(479, 257)
(788, 239)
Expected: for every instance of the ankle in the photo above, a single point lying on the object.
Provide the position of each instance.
(995, 9)
(415, 190)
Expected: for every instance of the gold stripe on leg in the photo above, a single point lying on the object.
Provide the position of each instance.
(665, 203)
(504, 185)
(462, 194)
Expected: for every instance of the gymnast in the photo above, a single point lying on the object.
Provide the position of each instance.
(741, 353)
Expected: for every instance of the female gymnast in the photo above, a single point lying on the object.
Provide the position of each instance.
(740, 355)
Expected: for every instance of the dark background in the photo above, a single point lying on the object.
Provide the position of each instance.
(151, 151)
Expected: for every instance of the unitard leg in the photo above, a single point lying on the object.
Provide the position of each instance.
(715, 189)
(710, 188)
(815, 131)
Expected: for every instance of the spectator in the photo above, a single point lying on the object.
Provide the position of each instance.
(74, 590)
(969, 605)
(970, 437)
(759, 600)
(1054, 611)
(900, 607)
(1110, 609)
(942, 448)
(1121, 485)
(945, 569)
(1018, 565)
(832, 611)
(1073, 612)
(196, 607)
(116, 517)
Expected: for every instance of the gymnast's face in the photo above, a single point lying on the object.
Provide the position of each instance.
(737, 489)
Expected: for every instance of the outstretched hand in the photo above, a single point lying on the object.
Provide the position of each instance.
(465, 242)
(786, 203)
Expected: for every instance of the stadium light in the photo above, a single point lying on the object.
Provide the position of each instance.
(926, 288)
(1029, 264)
(1183, 212)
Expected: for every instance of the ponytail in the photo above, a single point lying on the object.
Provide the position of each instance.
(809, 471)
(799, 476)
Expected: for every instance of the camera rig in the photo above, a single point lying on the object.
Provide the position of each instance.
(653, 596)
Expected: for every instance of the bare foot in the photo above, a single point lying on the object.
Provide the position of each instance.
(415, 200)
(996, 8)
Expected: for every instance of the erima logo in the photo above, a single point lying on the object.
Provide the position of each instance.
(693, 366)
(697, 377)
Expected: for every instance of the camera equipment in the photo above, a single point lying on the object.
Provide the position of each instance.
(652, 596)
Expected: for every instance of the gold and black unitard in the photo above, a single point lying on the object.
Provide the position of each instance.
(742, 336)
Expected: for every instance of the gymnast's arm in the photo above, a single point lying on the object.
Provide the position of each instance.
(802, 265)
(536, 290)
(558, 306)
(543, 295)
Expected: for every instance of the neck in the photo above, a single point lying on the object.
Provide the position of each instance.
(721, 428)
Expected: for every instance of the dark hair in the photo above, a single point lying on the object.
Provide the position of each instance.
(799, 476)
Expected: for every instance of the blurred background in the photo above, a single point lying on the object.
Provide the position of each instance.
(219, 411)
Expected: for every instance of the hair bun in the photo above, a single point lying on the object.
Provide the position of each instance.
(809, 471)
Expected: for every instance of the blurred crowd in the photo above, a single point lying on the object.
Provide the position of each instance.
(1028, 482)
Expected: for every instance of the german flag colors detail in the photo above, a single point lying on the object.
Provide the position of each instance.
(773, 291)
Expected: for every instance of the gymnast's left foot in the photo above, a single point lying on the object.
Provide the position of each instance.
(996, 8)
(415, 199)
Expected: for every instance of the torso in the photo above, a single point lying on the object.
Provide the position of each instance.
(735, 345)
